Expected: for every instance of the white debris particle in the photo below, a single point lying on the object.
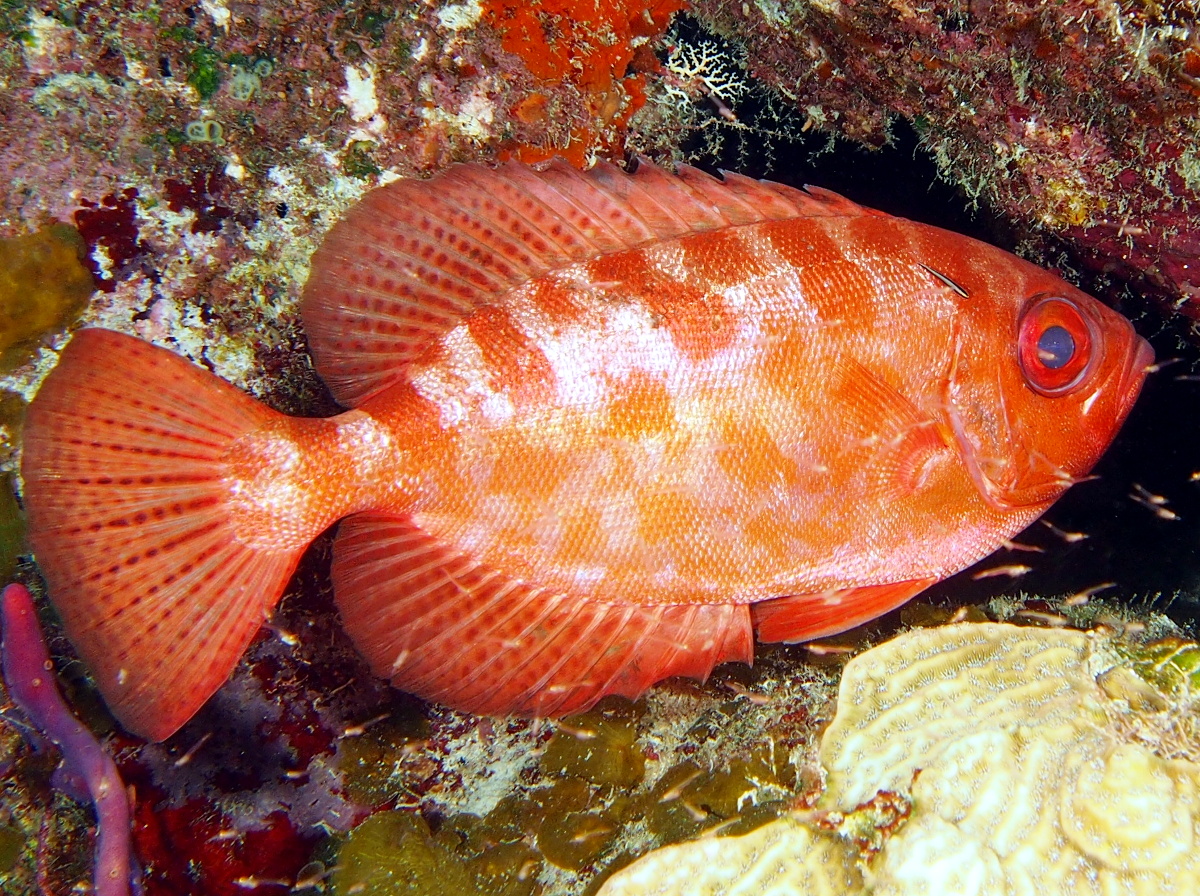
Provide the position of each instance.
(460, 16)
(218, 12)
(360, 98)
(359, 95)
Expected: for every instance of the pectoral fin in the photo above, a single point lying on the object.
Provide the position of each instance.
(895, 439)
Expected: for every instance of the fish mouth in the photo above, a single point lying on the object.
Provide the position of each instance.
(1137, 368)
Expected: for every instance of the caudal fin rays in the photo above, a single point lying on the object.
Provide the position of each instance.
(129, 520)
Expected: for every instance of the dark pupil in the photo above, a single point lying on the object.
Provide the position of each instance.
(1055, 347)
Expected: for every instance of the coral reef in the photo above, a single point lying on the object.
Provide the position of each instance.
(200, 150)
(782, 857)
(1075, 119)
(515, 807)
(983, 758)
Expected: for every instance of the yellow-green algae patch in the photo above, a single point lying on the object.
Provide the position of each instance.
(981, 759)
(395, 852)
(44, 286)
(12, 528)
(553, 808)
(600, 747)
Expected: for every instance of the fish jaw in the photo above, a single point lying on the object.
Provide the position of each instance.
(1032, 448)
(1141, 363)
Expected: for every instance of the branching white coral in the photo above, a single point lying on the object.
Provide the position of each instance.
(704, 69)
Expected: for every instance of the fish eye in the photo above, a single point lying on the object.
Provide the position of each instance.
(1055, 347)
(1056, 343)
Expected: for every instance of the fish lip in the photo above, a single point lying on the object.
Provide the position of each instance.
(1137, 368)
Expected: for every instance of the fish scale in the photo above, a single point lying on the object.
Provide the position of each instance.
(604, 428)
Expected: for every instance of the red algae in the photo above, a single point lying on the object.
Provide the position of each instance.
(194, 852)
(110, 225)
(588, 47)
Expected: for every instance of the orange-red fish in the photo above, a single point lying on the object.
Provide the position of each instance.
(604, 428)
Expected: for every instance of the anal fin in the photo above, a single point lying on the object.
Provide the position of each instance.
(803, 617)
(440, 625)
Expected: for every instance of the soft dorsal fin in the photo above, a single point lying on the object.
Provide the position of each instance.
(415, 257)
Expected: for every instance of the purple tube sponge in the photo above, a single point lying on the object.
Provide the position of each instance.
(28, 676)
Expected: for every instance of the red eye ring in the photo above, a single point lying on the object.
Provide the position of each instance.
(1056, 345)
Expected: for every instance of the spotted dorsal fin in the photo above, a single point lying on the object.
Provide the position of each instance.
(417, 256)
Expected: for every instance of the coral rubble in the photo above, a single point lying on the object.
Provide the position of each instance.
(984, 759)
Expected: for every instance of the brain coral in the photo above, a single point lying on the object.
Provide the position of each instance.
(1027, 760)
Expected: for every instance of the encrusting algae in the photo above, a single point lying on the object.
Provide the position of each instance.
(554, 808)
(982, 759)
(44, 286)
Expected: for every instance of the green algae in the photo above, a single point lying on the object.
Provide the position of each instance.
(12, 842)
(358, 161)
(577, 839)
(12, 529)
(12, 413)
(396, 852)
(584, 797)
(498, 852)
(688, 799)
(1170, 664)
(599, 747)
(204, 71)
(553, 809)
(374, 771)
(44, 286)
(14, 20)
(565, 820)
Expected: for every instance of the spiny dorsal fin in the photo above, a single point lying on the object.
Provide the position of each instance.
(415, 257)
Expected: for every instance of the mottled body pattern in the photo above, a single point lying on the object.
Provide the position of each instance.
(604, 428)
